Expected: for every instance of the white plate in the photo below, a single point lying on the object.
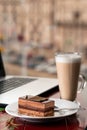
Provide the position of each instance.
(12, 109)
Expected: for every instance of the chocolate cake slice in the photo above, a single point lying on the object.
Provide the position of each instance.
(35, 106)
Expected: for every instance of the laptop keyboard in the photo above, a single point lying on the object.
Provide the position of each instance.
(12, 83)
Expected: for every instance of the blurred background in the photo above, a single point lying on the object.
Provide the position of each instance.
(31, 31)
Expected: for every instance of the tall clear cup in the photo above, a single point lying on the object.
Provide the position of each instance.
(68, 73)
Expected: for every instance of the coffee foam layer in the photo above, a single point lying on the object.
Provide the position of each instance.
(68, 58)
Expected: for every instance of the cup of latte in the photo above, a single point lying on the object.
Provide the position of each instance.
(68, 72)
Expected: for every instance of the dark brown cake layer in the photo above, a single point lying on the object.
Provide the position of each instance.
(36, 109)
(35, 113)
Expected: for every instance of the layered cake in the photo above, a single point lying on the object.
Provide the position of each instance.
(35, 106)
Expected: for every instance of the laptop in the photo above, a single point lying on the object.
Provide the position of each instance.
(13, 87)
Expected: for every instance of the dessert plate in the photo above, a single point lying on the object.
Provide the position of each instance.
(65, 108)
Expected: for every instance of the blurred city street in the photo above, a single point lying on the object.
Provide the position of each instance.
(32, 31)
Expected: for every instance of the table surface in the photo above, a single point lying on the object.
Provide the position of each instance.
(76, 121)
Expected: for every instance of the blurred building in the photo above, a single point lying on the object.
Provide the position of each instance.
(59, 22)
(71, 22)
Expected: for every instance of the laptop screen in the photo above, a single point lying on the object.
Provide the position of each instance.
(2, 70)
